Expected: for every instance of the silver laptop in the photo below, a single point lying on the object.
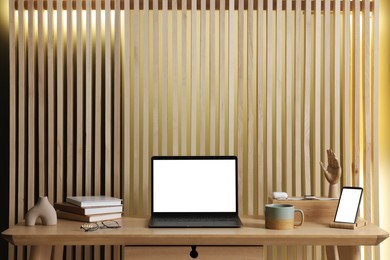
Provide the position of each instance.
(194, 191)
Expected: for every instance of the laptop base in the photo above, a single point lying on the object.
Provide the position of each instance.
(198, 221)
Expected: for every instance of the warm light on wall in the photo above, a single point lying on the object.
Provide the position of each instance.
(151, 84)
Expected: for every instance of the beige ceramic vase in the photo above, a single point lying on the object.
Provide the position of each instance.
(44, 210)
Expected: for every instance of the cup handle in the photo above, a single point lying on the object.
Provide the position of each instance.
(302, 217)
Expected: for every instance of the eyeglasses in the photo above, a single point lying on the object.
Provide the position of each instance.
(104, 224)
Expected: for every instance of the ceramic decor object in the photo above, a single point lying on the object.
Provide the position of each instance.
(44, 210)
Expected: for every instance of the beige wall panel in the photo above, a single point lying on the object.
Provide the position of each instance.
(123, 84)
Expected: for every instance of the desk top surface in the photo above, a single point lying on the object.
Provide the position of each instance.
(134, 231)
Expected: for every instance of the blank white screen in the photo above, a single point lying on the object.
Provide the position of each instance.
(204, 185)
(348, 205)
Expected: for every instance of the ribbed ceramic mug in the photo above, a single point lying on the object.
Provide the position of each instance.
(282, 216)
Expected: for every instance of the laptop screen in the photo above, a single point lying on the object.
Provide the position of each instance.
(194, 184)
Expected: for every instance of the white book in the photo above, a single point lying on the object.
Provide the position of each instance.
(94, 201)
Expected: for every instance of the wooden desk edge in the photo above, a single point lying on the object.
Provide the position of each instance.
(121, 239)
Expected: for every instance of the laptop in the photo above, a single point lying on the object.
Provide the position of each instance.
(348, 206)
(194, 191)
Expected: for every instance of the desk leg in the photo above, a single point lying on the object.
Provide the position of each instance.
(57, 252)
(349, 252)
(40, 252)
(331, 253)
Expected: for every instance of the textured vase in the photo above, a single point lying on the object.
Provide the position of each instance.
(44, 210)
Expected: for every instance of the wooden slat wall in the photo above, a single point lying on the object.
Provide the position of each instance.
(103, 88)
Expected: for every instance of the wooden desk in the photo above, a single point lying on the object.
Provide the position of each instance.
(134, 232)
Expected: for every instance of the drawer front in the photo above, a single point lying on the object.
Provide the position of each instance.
(201, 252)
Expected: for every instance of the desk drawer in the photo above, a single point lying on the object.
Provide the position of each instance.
(202, 252)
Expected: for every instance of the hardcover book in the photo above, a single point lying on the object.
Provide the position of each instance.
(85, 218)
(94, 201)
(68, 207)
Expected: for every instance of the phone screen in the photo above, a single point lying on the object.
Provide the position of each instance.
(348, 206)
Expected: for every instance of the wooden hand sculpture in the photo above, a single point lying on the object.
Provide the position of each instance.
(332, 173)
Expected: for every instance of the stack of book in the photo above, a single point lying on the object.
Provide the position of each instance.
(89, 208)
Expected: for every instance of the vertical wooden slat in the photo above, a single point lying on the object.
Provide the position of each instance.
(307, 98)
(193, 77)
(260, 109)
(108, 103)
(175, 82)
(12, 124)
(288, 97)
(203, 101)
(336, 85)
(108, 111)
(222, 61)
(41, 102)
(60, 107)
(117, 101)
(306, 109)
(51, 103)
(164, 79)
(128, 199)
(88, 110)
(356, 95)
(31, 107)
(80, 103)
(213, 87)
(232, 62)
(184, 79)
(136, 151)
(98, 99)
(347, 96)
(298, 101)
(240, 104)
(145, 157)
(269, 97)
(367, 142)
(70, 113)
(375, 115)
(278, 95)
(326, 90)
(88, 101)
(250, 95)
(69, 108)
(317, 100)
(69, 100)
(269, 109)
(155, 77)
